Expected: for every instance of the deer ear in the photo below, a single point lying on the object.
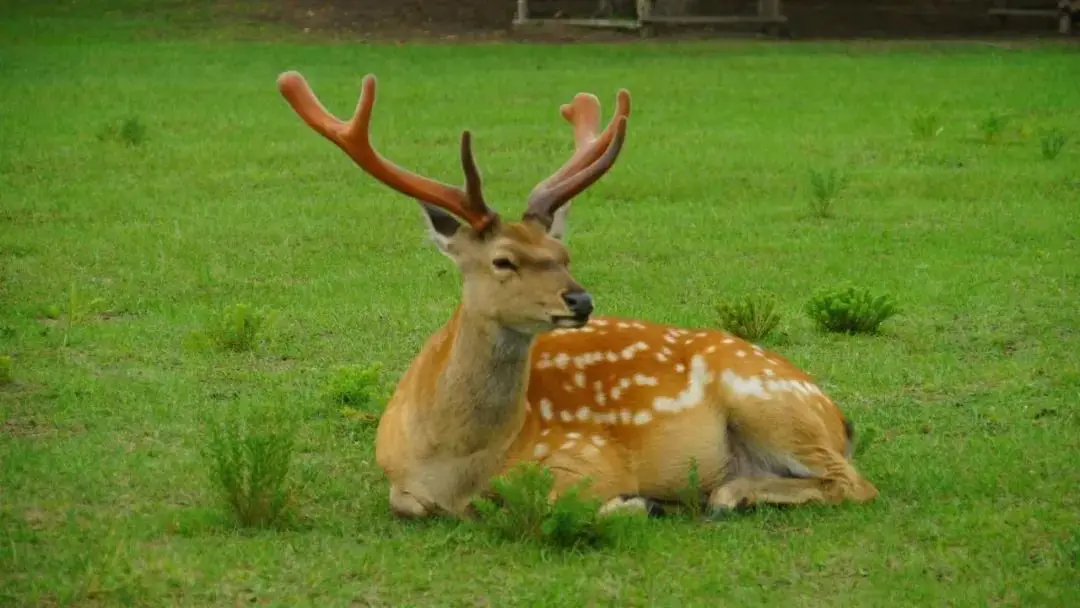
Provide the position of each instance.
(442, 226)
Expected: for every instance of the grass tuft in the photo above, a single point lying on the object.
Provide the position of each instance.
(825, 187)
(691, 497)
(236, 328)
(129, 131)
(250, 461)
(751, 317)
(521, 512)
(926, 125)
(1052, 143)
(850, 310)
(993, 127)
(7, 375)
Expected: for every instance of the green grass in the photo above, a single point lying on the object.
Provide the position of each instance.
(112, 254)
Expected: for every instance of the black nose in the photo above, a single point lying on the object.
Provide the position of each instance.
(579, 303)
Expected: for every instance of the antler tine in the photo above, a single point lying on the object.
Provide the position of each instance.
(543, 206)
(583, 113)
(353, 137)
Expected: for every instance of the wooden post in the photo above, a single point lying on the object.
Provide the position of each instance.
(644, 11)
(522, 12)
(769, 9)
(1065, 18)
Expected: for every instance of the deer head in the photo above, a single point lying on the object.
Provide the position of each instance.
(515, 273)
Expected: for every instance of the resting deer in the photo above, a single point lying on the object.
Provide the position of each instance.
(522, 371)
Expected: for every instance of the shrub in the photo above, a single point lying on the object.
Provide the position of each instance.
(690, 497)
(993, 127)
(524, 513)
(130, 131)
(249, 466)
(850, 310)
(751, 317)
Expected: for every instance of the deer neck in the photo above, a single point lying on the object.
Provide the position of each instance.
(482, 386)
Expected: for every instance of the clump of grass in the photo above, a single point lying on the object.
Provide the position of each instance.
(993, 127)
(690, 496)
(850, 309)
(358, 392)
(825, 187)
(926, 125)
(6, 370)
(751, 317)
(130, 131)
(236, 328)
(524, 513)
(1052, 142)
(250, 462)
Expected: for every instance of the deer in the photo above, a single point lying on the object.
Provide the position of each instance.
(523, 371)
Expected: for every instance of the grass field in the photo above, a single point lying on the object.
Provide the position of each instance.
(151, 177)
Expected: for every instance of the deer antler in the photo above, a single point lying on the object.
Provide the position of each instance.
(591, 155)
(353, 137)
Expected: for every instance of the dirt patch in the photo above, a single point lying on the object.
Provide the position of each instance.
(491, 20)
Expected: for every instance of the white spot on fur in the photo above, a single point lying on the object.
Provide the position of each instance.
(622, 325)
(628, 353)
(624, 383)
(579, 379)
(601, 398)
(637, 325)
(661, 357)
(665, 350)
(590, 451)
(586, 330)
(769, 372)
(568, 445)
(744, 387)
(606, 418)
(728, 340)
(642, 417)
(694, 392)
(561, 360)
(545, 432)
(567, 387)
(711, 349)
(669, 339)
(612, 357)
(598, 440)
(679, 367)
(740, 353)
(573, 435)
(545, 409)
(540, 450)
(615, 393)
(599, 322)
(566, 416)
(627, 416)
(583, 413)
(643, 380)
(641, 346)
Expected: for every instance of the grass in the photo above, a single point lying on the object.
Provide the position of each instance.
(105, 498)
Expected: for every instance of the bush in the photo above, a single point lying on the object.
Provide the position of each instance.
(825, 186)
(850, 310)
(1052, 143)
(249, 466)
(751, 318)
(524, 513)
(6, 376)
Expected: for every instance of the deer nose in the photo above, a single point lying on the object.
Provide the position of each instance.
(579, 302)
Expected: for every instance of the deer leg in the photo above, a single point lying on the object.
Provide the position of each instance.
(405, 505)
(609, 481)
(795, 461)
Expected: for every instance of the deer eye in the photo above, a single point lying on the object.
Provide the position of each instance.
(504, 264)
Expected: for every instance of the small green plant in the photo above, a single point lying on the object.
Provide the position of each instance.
(825, 187)
(235, 328)
(850, 309)
(130, 131)
(358, 392)
(751, 317)
(1052, 143)
(6, 365)
(249, 464)
(524, 513)
(926, 126)
(690, 497)
(993, 127)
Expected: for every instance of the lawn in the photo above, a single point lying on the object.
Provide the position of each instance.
(151, 176)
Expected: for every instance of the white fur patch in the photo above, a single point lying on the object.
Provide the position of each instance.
(693, 394)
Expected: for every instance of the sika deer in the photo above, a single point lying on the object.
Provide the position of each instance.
(519, 372)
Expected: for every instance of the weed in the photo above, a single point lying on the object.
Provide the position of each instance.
(993, 127)
(825, 186)
(6, 365)
(250, 462)
(1052, 142)
(850, 309)
(358, 393)
(129, 131)
(690, 497)
(524, 512)
(236, 328)
(926, 126)
(751, 317)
